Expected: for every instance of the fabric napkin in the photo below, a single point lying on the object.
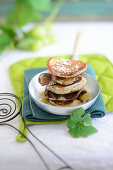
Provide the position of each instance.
(32, 112)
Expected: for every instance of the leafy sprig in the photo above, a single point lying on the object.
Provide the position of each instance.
(80, 124)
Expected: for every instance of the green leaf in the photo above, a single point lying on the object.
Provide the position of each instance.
(22, 14)
(77, 115)
(8, 30)
(70, 123)
(5, 42)
(74, 132)
(80, 124)
(79, 111)
(87, 130)
(87, 119)
(25, 11)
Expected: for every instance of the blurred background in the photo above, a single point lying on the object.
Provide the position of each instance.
(71, 10)
(30, 25)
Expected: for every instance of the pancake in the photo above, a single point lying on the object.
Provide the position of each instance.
(64, 89)
(62, 97)
(65, 67)
(46, 78)
(62, 80)
(65, 103)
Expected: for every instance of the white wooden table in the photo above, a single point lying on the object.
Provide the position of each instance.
(94, 152)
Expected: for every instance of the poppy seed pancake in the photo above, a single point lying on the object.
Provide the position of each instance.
(65, 67)
(60, 89)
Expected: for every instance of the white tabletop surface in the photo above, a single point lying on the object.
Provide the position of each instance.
(94, 152)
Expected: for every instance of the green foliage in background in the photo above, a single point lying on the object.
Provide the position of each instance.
(7, 37)
(5, 42)
(26, 11)
(36, 38)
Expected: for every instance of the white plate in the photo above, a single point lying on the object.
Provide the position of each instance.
(35, 88)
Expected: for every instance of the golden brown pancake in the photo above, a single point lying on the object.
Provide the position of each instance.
(46, 78)
(64, 89)
(62, 80)
(65, 67)
(65, 103)
(62, 97)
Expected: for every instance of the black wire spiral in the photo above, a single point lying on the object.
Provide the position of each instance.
(8, 107)
(8, 111)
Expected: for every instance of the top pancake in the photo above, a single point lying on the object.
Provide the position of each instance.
(65, 67)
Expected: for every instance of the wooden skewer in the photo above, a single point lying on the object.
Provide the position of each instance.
(75, 53)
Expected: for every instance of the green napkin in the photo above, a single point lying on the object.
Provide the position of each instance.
(102, 66)
(32, 112)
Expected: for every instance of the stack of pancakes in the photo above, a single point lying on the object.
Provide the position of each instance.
(64, 82)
